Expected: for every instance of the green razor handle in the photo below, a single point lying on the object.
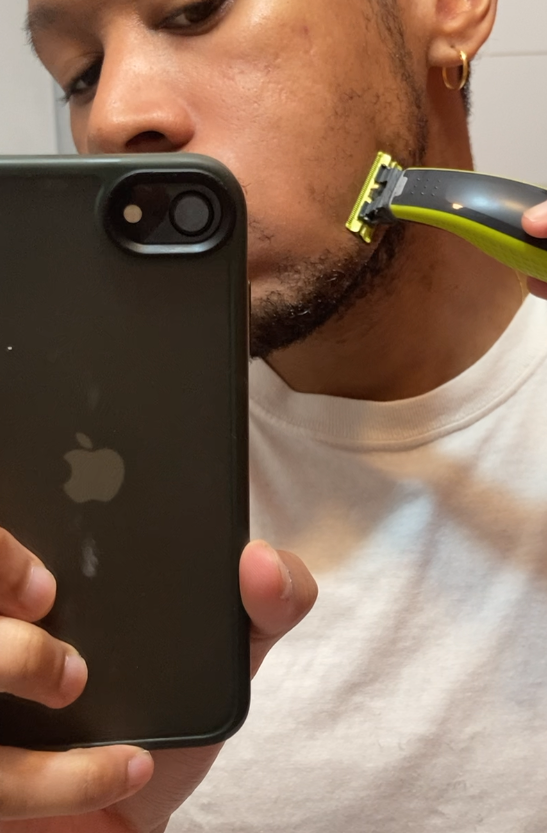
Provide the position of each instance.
(484, 210)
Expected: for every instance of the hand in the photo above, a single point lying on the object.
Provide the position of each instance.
(116, 789)
(535, 223)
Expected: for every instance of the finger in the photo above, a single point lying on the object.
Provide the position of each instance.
(278, 591)
(534, 220)
(45, 785)
(35, 666)
(538, 288)
(27, 589)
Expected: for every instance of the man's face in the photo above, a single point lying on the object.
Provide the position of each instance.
(294, 96)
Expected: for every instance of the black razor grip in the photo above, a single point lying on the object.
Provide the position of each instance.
(491, 201)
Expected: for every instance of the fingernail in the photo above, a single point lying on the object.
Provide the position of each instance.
(139, 769)
(74, 673)
(538, 212)
(284, 571)
(40, 587)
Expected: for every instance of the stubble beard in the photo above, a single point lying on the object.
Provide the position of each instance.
(316, 291)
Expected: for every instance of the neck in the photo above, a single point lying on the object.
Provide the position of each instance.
(448, 303)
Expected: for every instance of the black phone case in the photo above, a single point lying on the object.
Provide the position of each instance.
(107, 355)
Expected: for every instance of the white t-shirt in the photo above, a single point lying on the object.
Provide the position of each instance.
(414, 697)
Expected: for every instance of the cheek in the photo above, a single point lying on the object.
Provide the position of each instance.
(79, 118)
(295, 132)
(78, 133)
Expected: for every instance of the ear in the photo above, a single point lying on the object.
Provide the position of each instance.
(459, 25)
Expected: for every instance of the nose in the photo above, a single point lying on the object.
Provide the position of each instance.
(139, 106)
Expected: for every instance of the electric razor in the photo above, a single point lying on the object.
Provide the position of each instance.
(484, 210)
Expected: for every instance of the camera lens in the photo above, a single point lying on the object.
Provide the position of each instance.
(192, 214)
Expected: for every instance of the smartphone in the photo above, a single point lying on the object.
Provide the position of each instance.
(124, 437)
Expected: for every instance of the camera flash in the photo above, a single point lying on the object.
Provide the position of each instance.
(133, 214)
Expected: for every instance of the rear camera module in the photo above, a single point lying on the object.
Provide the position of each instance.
(166, 212)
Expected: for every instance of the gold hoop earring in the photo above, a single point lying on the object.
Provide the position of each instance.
(465, 74)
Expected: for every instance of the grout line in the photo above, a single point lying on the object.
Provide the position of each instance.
(514, 55)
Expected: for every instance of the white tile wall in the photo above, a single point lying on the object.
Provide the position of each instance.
(509, 89)
(509, 123)
(27, 116)
(521, 28)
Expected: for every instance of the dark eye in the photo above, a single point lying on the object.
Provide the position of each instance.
(195, 17)
(86, 82)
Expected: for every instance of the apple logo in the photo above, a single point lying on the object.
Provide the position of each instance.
(96, 475)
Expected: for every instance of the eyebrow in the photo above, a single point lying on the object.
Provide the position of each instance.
(41, 19)
(52, 15)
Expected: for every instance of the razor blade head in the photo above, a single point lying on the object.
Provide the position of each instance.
(360, 222)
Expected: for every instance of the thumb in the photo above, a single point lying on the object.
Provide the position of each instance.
(534, 221)
(278, 591)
